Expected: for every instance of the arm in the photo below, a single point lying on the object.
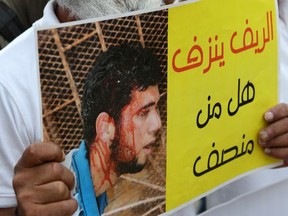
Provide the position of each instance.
(42, 185)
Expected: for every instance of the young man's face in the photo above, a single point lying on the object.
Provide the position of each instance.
(138, 127)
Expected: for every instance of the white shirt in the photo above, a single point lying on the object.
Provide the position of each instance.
(20, 108)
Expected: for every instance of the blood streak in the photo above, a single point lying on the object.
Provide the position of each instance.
(103, 153)
(127, 138)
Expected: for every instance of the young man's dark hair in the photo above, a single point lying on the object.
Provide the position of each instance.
(108, 87)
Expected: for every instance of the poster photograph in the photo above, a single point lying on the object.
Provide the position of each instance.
(159, 108)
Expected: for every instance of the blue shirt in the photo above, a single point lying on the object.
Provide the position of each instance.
(88, 203)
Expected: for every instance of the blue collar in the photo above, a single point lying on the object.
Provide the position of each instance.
(87, 197)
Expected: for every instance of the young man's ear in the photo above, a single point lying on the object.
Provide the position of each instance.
(105, 127)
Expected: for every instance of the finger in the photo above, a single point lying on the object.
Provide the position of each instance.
(279, 141)
(62, 208)
(44, 194)
(277, 112)
(43, 174)
(275, 132)
(281, 153)
(39, 153)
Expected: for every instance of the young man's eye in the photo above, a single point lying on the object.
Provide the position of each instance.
(144, 113)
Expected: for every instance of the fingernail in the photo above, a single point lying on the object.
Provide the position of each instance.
(63, 155)
(263, 135)
(267, 150)
(261, 142)
(269, 116)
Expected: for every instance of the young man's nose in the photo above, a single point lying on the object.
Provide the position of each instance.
(155, 123)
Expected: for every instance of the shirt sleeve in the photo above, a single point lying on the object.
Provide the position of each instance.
(13, 141)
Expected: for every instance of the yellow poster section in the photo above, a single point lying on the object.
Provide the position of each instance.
(222, 76)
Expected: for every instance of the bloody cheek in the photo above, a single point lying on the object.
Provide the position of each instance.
(127, 147)
(126, 153)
